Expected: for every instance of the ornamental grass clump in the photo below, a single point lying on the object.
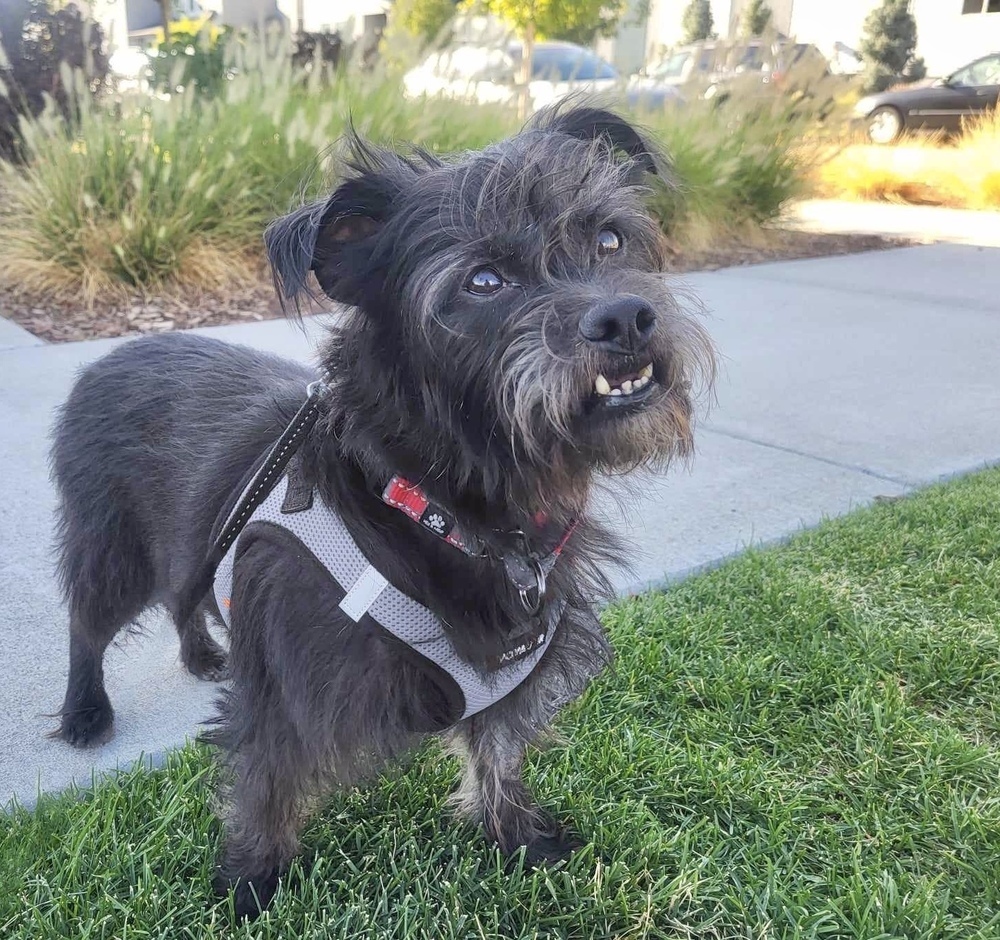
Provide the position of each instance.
(962, 173)
(164, 192)
(735, 166)
(153, 192)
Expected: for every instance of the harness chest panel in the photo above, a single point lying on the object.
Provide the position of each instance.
(322, 532)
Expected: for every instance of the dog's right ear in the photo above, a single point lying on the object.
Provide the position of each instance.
(335, 238)
(586, 123)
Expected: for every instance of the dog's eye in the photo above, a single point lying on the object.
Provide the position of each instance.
(608, 241)
(484, 281)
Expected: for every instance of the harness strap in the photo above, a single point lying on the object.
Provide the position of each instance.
(263, 482)
(425, 639)
(527, 572)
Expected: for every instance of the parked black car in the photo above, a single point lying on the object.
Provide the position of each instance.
(934, 105)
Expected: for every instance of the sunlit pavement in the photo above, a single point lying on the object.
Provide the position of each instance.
(842, 379)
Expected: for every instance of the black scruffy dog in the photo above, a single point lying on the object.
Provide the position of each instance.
(507, 335)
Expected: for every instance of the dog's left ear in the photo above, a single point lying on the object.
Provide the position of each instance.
(595, 123)
(335, 237)
(326, 237)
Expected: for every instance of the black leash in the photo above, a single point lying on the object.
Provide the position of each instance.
(263, 482)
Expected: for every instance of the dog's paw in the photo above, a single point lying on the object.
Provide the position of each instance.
(251, 895)
(205, 659)
(549, 848)
(89, 726)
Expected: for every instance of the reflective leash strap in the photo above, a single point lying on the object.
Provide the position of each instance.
(257, 491)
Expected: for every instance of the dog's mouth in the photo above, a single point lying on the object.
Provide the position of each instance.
(623, 389)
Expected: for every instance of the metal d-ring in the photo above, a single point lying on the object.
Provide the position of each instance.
(534, 607)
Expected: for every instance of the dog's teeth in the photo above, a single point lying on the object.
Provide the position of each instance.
(616, 391)
(627, 387)
(601, 386)
(641, 382)
(647, 371)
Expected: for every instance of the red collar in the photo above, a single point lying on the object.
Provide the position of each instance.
(527, 571)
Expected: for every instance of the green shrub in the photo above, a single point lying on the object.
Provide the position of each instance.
(36, 40)
(756, 17)
(176, 193)
(733, 166)
(697, 21)
(191, 59)
(424, 19)
(888, 46)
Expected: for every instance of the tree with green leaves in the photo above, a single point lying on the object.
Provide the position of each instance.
(756, 18)
(888, 46)
(424, 19)
(697, 22)
(578, 21)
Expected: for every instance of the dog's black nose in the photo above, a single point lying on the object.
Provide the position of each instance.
(622, 325)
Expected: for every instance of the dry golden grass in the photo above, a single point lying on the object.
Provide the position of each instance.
(204, 263)
(962, 173)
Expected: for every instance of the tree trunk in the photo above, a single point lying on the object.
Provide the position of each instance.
(166, 11)
(527, 60)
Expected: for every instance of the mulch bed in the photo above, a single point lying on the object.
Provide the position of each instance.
(65, 321)
(784, 245)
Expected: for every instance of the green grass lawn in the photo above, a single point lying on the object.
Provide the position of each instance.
(803, 743)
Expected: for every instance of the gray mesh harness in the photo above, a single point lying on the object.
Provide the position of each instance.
(320, 530)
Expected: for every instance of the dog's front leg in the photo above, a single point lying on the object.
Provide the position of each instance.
(493, 794)
(262, 821)
(492, 744)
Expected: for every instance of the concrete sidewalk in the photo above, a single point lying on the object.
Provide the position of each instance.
(843, 378)
(925, 224)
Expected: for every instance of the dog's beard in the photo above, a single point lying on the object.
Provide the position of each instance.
(586, 410)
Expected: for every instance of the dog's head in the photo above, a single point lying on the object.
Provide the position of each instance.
(508, 305)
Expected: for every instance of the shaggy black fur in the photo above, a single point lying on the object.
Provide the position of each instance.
(485, 295)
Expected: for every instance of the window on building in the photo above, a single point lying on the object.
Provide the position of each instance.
(993, 6)
(981, 6)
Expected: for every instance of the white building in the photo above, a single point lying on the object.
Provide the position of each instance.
(949, 32)
(112, 16)
(626, 51)
(351, 18)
